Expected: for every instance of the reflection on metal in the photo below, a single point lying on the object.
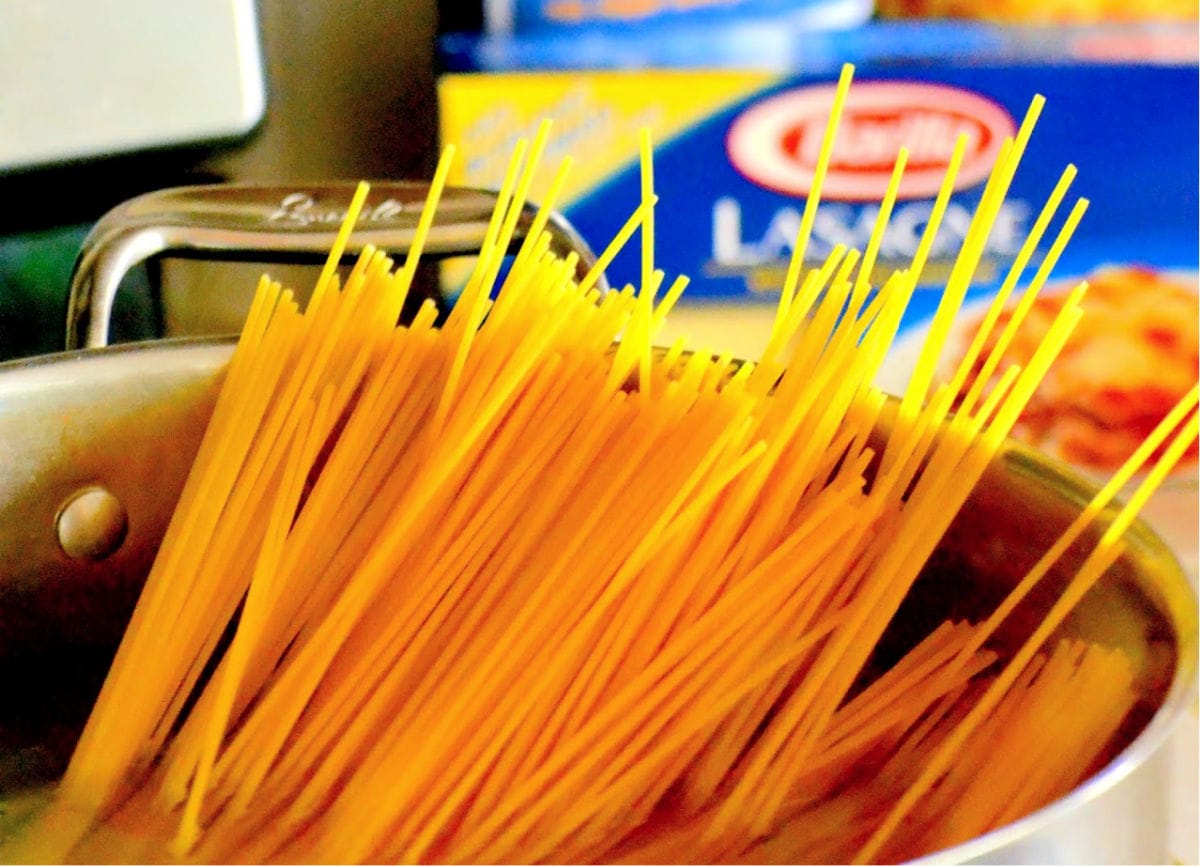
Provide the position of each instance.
(92, 524)
(243, 222)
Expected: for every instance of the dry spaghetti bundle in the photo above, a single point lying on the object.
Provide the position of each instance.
(522, 587)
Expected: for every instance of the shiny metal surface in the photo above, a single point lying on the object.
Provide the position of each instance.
(255, 223)
(129, 419)
(92, 523)
(126, 419)
(1145, 605)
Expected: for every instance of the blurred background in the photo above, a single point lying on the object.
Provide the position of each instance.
(296, 91)
(100, 103)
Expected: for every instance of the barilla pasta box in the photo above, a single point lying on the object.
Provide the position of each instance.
(734, 159)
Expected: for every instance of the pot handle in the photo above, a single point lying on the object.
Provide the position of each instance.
(244, 222)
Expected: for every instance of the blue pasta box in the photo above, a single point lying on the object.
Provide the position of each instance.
(738, 123)
(526, 16)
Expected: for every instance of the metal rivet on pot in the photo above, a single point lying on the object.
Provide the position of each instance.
(91, 524)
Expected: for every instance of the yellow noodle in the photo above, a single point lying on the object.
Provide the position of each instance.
(796, 265)
(522, 587)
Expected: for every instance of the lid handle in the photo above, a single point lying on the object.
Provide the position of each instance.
(245, 222)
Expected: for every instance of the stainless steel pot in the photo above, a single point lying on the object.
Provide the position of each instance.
(95, 446)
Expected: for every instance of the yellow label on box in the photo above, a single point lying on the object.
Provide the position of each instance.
(597, 117)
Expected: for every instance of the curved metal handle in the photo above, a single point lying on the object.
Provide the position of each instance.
(247, 222)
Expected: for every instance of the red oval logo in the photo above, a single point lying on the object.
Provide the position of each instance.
(775, 143)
